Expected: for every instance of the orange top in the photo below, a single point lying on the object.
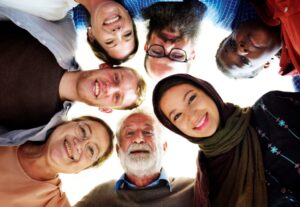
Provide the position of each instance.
(18, 189)
(285, 13)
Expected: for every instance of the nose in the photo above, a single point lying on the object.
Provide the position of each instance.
(116, 28)
(243, 48)
(168, 46)
(79, 144)
(139, 138)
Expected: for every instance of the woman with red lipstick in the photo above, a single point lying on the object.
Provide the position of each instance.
(248, 156)
(29, 172)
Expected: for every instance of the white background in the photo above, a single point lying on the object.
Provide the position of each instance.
(180, 159)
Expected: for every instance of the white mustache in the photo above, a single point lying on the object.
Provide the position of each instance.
(139, 147)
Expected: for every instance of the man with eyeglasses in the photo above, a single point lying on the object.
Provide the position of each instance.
(173, 29)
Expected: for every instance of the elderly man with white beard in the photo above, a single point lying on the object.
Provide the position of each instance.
(144, 183)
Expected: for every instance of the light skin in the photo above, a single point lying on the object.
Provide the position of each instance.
(159, 68)
(105, 87)
(249, 47)
(111, 26)
(139, 129)
(71, 148)
(191, 110)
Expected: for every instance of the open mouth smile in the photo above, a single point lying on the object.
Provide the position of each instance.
(96, 88)
(202, 122)
(112, 20)
(70, 151)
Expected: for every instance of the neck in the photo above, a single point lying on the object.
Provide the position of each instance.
(33, 161)
(67, 86)
(144, 181)
(91, 5)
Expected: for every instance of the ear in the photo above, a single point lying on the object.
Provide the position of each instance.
(117, 149)
(193, 55)
(105, 66)
(106, 110)
(165, 146)
(267, 64)
(90, 35)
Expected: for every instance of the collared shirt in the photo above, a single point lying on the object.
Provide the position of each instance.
(123, 182)
(229, 14)
(59, 36)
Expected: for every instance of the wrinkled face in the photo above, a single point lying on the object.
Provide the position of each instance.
(112, 88)
(75, 146)
(161, 67)
(112, 28)
(140, 150)
(192, 111)
(249, 47)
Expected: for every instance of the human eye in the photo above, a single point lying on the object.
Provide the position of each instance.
(176, 117)
(128, 34)
(129, 133)
(147, 132)
(109, 42)
(116, 98)
(82, 131)
(156, 51)
(92, 151)
(244, 60)
(177, 55)
(192, 98)
(116, 78)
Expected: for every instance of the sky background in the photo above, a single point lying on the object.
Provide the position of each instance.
(180, 158)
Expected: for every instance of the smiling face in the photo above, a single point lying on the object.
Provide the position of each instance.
(111, 26)
(192, 111)
(249, 47)
(161, 67)
(112, 88)
(139, 149)
(74, 146)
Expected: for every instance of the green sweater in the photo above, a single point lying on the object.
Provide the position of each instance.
(104, 195)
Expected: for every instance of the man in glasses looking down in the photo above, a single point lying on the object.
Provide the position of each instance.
(173, 29)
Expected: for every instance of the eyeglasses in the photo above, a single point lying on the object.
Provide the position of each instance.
(158, 51)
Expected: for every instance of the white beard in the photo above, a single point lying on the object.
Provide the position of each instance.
(141, 165)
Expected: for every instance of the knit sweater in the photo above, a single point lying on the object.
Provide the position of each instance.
(104, 195)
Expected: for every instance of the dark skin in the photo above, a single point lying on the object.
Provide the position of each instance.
(249, 47)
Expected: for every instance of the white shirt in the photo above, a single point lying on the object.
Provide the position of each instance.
(48, 9)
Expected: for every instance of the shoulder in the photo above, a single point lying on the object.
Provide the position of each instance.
(100, 194)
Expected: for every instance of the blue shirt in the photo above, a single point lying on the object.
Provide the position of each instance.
(123, 182)
(229, 14)
(296, 83)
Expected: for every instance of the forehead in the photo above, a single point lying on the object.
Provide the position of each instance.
(138, 120)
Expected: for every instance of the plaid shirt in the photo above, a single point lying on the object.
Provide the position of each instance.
(296, 82)
(229, 13)
(225, 13)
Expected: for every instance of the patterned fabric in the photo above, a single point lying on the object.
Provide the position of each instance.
(296, 83)
(229, 13)
(135, 7)
(279, 134)
(80, 17)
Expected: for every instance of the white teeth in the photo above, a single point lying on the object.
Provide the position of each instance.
(112, 20)
(68, 149)
(97, 89)
(201, 122)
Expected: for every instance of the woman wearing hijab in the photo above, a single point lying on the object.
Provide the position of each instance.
(249, 156)
(29, 172)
